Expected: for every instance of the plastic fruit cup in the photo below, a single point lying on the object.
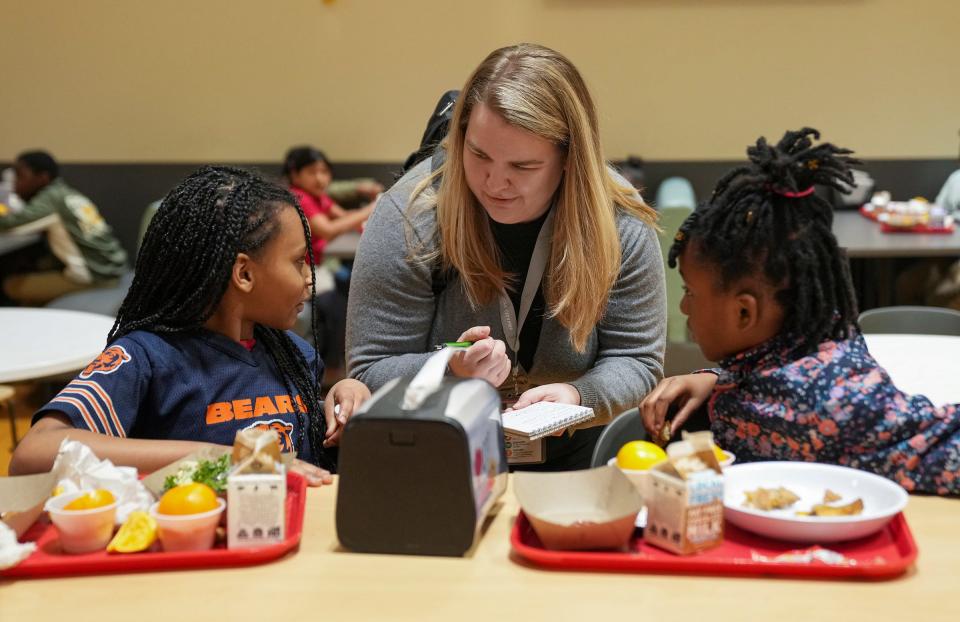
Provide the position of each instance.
(82, 531)
(188, 532)
(728, 459)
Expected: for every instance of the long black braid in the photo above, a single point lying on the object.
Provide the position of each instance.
(184, 268)
(766, 214)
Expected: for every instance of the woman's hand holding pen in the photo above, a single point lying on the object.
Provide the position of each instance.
(486, 358)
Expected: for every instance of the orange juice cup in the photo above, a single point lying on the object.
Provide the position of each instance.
(82, 531)
(188, 532)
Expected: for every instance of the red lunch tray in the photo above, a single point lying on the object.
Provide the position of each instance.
(49, 561)
(884, 555)
(886, 228)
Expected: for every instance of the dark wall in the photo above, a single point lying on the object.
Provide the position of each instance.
(122, 191)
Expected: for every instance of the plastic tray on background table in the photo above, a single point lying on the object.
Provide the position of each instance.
(886, 228)
(884, 555)
(49, 561)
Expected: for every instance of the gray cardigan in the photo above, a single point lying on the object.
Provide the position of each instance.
(393, 320)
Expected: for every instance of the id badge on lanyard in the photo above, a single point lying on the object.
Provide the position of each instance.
(520, 450)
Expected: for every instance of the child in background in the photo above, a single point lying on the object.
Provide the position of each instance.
(310, 176)
(87, 253)
(768, 295)
(201, 348)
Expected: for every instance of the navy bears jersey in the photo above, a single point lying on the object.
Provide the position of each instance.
(199, 386)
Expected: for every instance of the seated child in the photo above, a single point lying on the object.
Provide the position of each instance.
(78, 236)
(309, 175)
(201, 347)
(768, 295)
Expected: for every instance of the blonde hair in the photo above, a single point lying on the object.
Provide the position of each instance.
(536, 89)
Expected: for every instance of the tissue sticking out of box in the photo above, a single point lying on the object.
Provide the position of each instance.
(427, 380)
(256, 451)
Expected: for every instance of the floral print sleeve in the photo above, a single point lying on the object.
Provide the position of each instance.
(835, 405)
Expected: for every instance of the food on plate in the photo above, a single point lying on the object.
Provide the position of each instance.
(213, 473)
(136, 534)
(640, 455)
(187, 499)
(92, 500)
(767, 499)
(821, 509)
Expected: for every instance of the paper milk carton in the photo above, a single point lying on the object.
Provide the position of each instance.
(256, 491)
(685, 512)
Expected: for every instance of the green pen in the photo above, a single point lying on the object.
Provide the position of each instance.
(457, 345)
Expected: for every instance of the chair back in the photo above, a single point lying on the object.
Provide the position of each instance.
(625, 428)
(148, 215)
(911, 320)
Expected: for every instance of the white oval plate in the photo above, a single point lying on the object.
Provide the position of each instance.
(882, 500)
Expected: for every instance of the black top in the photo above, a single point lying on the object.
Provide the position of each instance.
(515, 243)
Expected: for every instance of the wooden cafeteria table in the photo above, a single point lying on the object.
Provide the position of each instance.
(321, 581)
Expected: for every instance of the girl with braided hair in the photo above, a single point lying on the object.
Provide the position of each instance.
(201, 347)
(768, 294)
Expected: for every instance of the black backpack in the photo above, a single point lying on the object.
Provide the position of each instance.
(436, 130)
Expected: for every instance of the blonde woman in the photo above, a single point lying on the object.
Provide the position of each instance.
(516, 236)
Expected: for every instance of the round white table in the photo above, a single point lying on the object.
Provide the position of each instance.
(37, 343)
(920, 364)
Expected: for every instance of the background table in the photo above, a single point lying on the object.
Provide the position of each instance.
(322, 581)
(875, 256)
(343, 246)
(863, 238)
(924, 364)
(37, 343)
(10, 242)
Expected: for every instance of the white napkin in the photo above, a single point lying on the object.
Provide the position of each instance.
(77, 468)
(11, 551)
(427, 380)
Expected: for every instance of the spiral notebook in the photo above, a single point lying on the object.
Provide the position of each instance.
(544, 418)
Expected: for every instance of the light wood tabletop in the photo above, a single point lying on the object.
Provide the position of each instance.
(321, 581)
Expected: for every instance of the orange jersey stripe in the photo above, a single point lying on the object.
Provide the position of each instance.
(106, 400)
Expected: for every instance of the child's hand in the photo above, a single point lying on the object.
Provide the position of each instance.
(348, 394)
(688, 392)
(314, 474)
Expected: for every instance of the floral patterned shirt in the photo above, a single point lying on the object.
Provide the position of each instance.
(834, 405)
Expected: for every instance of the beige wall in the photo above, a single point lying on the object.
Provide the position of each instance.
(241, 80)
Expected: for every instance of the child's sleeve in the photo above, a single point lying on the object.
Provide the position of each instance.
(37, 208)
(105, 397)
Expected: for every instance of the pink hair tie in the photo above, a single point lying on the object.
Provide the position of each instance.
(794, 195)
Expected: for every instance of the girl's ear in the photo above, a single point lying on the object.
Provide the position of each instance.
(241, 276)
(748, 311)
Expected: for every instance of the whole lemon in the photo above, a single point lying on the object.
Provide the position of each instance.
(188, 499)
(639, 455)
